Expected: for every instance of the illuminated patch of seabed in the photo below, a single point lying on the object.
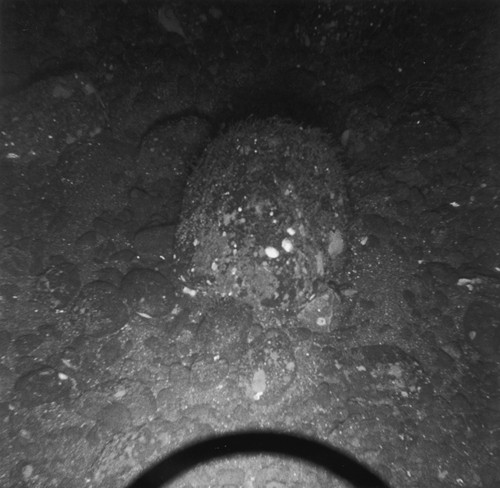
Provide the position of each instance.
(263, 471)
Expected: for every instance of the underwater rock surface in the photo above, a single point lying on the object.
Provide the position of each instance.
(264, 216)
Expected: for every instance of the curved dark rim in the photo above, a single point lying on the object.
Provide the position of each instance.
(181, 461)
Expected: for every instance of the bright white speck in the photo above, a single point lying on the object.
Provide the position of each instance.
(290, 231)
(189, 291)
(287, 245)
(271, 252)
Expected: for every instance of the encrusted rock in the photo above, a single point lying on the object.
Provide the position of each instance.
(264, 216)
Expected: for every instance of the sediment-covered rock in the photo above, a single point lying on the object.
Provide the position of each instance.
(264, 216)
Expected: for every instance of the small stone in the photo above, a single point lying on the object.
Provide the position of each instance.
(271, 252)
(42, 385)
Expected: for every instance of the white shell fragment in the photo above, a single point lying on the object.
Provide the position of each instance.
(287, 245)
(336, 244)
(271, 252)
(189, 291)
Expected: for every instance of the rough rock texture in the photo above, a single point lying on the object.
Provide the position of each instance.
(264, 216)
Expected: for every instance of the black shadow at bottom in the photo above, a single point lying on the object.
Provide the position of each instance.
(186, 458)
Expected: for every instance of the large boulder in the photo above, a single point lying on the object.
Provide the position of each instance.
(264, 217)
